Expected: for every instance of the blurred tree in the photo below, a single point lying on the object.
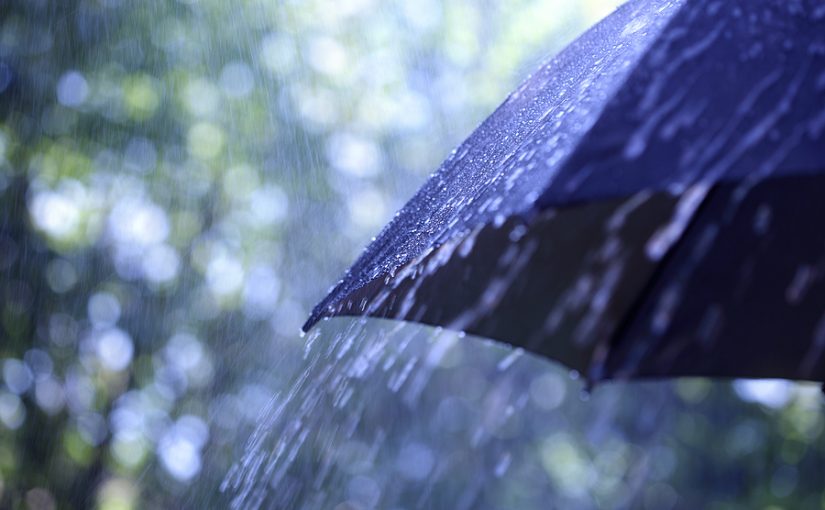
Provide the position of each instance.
(178, 181)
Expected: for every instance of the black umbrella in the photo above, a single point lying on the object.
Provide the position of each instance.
(650, 203)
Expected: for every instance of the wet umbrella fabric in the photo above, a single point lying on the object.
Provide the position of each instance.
(650, 203)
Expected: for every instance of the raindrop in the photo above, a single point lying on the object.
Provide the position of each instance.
(799, 285)
(508, 360)
(12, 412)
(237, 79)
(114, 348)
(415, 461)
(548, 391)
(762, 220)
(503, 465)
(17, 376)
(103, 309)
(49, 395)
(72, 89)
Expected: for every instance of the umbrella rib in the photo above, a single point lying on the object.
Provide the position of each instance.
(634, 310)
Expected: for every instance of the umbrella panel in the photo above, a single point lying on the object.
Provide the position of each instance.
(742, 295)
(558, 285)
(728, 282)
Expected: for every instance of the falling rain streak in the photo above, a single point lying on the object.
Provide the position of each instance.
(181, 179)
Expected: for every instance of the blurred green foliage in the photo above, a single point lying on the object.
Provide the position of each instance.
(181, 179)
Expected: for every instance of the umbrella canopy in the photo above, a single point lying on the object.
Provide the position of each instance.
(651, 202)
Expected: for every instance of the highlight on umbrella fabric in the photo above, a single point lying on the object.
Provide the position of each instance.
(647, 204)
